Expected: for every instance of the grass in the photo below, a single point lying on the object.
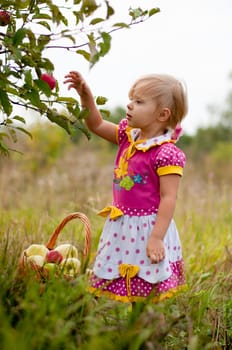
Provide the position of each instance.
(59, 314)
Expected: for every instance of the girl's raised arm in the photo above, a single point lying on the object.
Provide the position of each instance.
(94, 121)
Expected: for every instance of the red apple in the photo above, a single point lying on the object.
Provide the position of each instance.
(4, 18)
(54, 257)
(49, 79)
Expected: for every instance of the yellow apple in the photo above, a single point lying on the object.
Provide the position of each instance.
(67, 250)
(35, 260)
(37, 249)
(70, 266)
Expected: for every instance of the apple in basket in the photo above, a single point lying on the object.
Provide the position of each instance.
(67, 250)
(35, 261)
(70, 266)
(50, 268)
(54, 256)
(36, 249)
(34, 255)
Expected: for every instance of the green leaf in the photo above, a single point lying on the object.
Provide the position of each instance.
(96, 21)
(13, 135)
(42, 16)
(12, 91)
(105, 113)
(46, 64)
(101, 100)
(84, 53)
(43, 86)
(136, 13)
(121, 25)
(79, 16)
(88, 7)
(24, 131)
(153, 11)
(19, 36)
(44, 24)
(28, 77)
(43, 40)
(83, 129)
(75, 111)
(59, 119)
(66, 99)
(33, 96)
(4, 148)
(5, 102)
(110, 10)
(105, 45)
(27, 61)
(20, 119)
(32, 38)
(83, 113)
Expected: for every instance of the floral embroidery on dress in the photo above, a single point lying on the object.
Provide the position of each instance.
(129, 180)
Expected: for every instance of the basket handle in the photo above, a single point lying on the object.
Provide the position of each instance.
(84, 219)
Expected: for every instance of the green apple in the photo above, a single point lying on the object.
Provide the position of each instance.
(35, 260)
(51, 268)
(70, 266)
(67, 250)
(37, 249)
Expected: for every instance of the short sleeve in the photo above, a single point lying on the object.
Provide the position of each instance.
(170, 160)
(121, 131)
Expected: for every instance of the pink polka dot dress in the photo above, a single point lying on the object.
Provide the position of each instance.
(122, 270)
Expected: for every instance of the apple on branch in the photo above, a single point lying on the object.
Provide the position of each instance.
(49, 79)
(5, 18)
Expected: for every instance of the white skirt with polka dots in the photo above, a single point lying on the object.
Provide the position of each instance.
(123, 241)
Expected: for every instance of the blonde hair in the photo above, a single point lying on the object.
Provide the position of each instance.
(167, 91)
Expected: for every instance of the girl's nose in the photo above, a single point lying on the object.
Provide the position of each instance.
(129, 105)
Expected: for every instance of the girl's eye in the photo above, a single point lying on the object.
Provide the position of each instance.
(138, 101)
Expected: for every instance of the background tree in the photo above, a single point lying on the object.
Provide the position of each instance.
(28, 28)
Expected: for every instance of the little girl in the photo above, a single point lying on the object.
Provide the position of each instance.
(139, 254)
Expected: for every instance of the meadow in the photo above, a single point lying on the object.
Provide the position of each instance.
(53, 177)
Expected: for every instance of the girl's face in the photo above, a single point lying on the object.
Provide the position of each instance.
(142, 111)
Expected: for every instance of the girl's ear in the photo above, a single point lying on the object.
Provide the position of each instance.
(164, 115)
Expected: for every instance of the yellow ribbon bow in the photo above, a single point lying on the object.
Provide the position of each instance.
(113, 211)
(128, 271)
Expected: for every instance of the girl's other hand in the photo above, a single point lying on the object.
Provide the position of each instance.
(155, 250)
(76, 81)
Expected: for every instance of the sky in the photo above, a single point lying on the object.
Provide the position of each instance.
(188, 39)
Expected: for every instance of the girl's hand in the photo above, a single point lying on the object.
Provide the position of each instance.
(155, 250)
(77, 82)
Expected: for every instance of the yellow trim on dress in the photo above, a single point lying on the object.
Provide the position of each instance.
(170, 169)
(127, 299)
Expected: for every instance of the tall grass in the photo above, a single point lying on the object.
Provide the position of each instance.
(38, 189)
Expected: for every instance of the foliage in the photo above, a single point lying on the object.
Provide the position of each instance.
(60, 314)
(36, 26)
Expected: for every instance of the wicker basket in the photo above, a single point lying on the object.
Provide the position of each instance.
(23, 266)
